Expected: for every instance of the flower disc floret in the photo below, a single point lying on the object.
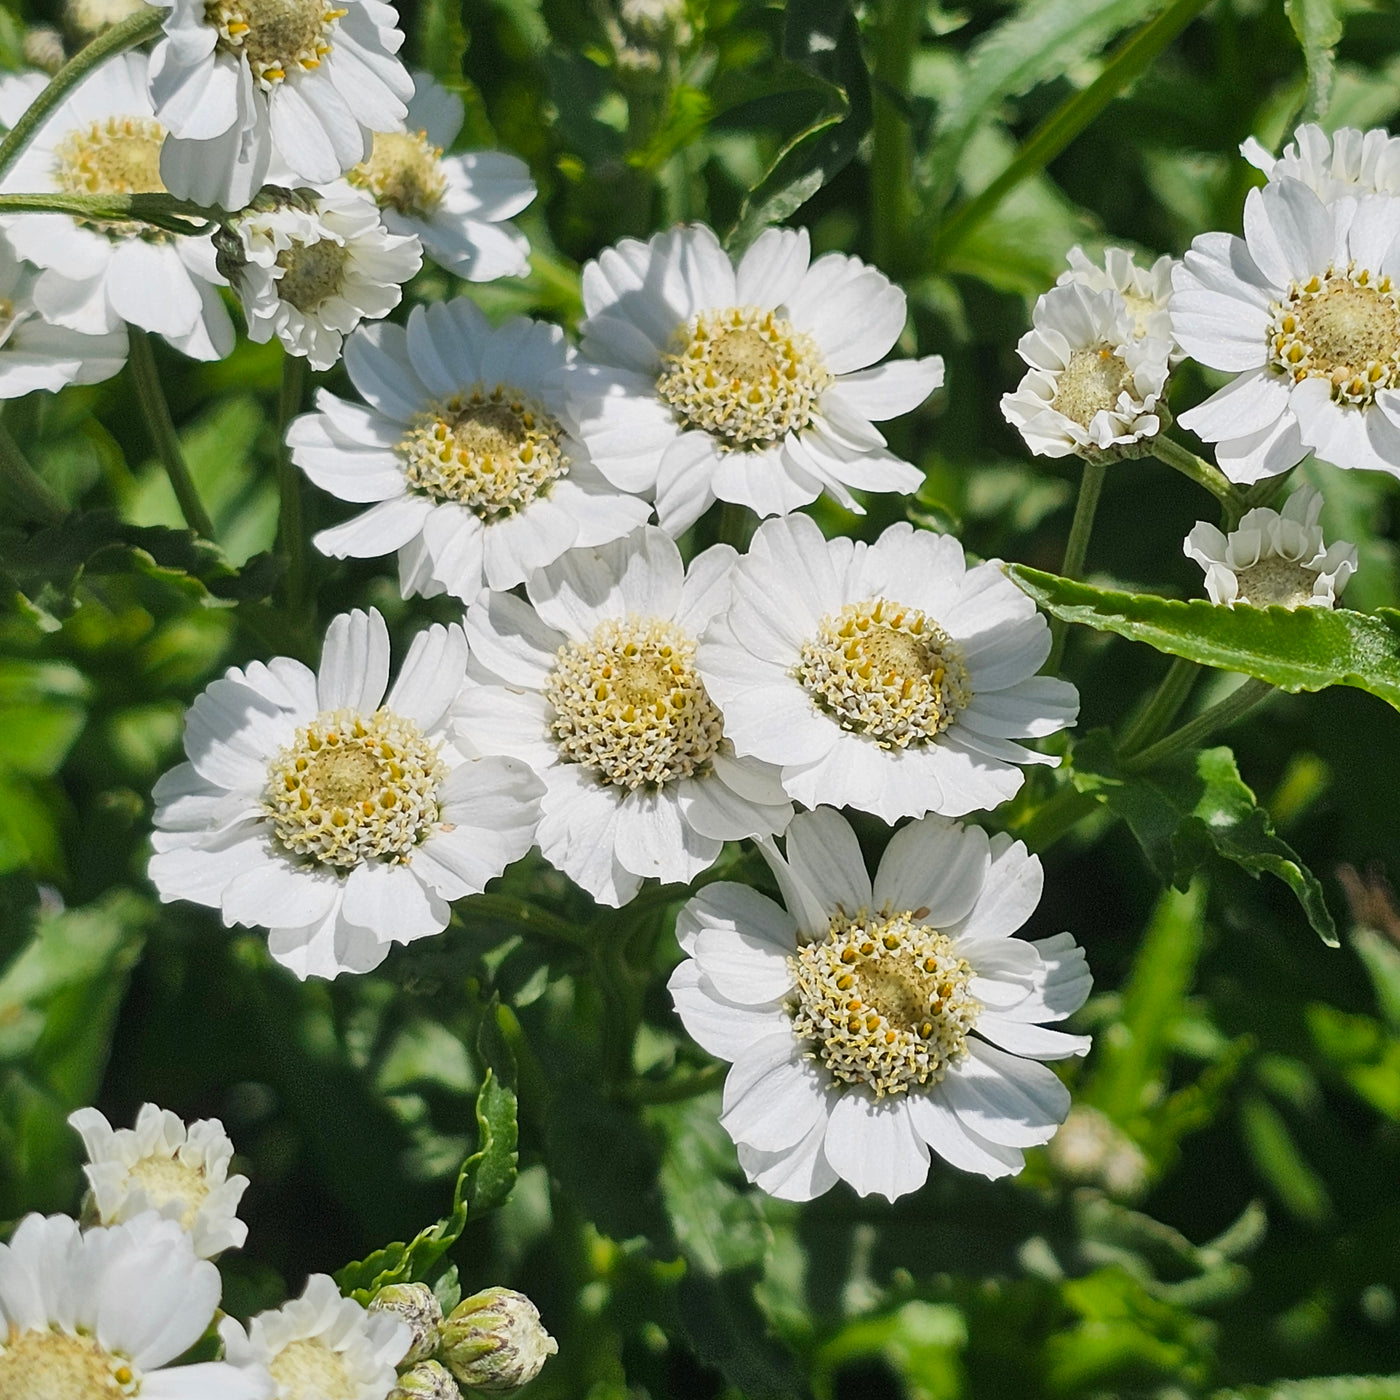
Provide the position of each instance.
(629, 704)
(744, 374)
(312, 273)
(886, 671)
(403, 173)
(354, 788)
(39, 1365)
(884, 1002)
(307, 1367)
(495, 451)
(1091, 383)
(277, 37)
(114, 155)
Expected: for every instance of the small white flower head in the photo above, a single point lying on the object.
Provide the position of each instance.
(1274, 558)
(340, 819)
(1348, 162)
(888, 677)
(244, 86)
(494, 1341)
(1305, 311)
(1094, 385)
(755, 384)
(456, 204)
(86, 19)
(320, 1346)
(594, 684)
(99, 274)
(1145, 291)
(310, 268)
(160, 1165)
(99, 1314)
(467, 450)
(43, 47)
(868, 1023)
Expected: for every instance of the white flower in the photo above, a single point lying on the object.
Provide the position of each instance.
(1349, 162)
(102, 139)
(337, 818)
(100, 1314)
(467, 448)
(243, 84)
(309, 272)
(160, 1165)
(320, 1345)
(1305, 312)
(1274, 557)
(888, 676)
(1093, 383)
(456, 204)
(1145, 291)
(703, 381)
(868, 1024)
(594, 684)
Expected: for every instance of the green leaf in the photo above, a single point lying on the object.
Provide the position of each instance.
(1318, 25)
(728, 1331)
(1280, 1163)
(1294, 649)
(1181, 813)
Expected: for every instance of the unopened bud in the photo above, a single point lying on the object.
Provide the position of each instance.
(86, 19)
(426, 1381)
(494, 1340)
(417, 1305)
(43, 48)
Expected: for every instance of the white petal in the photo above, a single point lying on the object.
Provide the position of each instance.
(1004, 1098)
(941, 1128)
(432, 674)
(873, 1145)
(825, 856)
(935, 865)
(801, 1173)
(716, 1024)
(392, 902)
(773, 1097)
(354, 663)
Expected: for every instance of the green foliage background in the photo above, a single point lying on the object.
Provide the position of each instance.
(1224, 1216)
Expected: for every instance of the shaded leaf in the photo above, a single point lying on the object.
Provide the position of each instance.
(728, 1332)
(1318, 25)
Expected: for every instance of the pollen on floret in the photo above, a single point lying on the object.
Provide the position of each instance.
(277, 37)
(402, 173)
(1092, 383)
(42, 1363)
(114, 155)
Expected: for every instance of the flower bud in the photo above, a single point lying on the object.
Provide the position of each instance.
(494, 1340)
(426, 1381)
(43, 47)
(417, 1305)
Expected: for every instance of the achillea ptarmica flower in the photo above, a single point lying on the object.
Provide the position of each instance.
(338, 818)
(100, 1314)
(888, 677)
(755, 384)
(594, 684)
(1094, 383)
(86, 19)
(1145, 291)
(1348, 162)
(1274, 558)
(236, 82)
(1305, 311)
(467, 448)
(180, 1173)
(99, 274)
(494, 1341)
(320, 1345)
(870, 1023)
(309, 269)
(456, 204)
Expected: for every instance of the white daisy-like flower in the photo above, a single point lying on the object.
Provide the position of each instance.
(339, 819)
(1305, 311)
(99, 1314)
(1348, 162)
(467, 448)
(594, 684)
(868, 1023)
(755, 384)
(161, 1165)
(99, 274)
(320, 1346)
(456, 204)
(243, 84)
(1274, 558)
(310, 270)
(1094, 384)
(888, 677)
(1145, 291)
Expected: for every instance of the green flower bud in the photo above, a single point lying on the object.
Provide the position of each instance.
(494, 1340)
(426, 1381)
(417, 1305)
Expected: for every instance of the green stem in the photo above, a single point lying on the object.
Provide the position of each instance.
(529, 917)
(289, 528)
(1200, 471)
(683, 1086)
(1076, 550)
(30, 495)
(1163, 706)
(120, 37)
(1191, 734)
(1056, 818)
(896, 41)
(162, 211)
(163, 434)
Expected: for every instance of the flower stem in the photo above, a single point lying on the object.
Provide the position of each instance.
(1198, 470)
(683, 1086)
(162, 430)
(896, 41)
(120, 37)
(1162, 707)
(1076, 550)
(161, 211)
(1056, 818)
(30, 495)
(528, 917)
(1191, 734)
(289, 527)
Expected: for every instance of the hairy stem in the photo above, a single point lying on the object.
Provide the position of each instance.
(289, 528)
(1162, 707)
(1193, 733)
(161, 211)
(1200, 471)
(1076, 551)
(896, 40)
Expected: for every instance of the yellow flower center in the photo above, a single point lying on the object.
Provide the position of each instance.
(886, 671)
(402, 172)
(1277, 581)
(311, 273)
(493, 450)
(277, 37)
(167, 1180)
(53, 1365)
(883, 1002)
(1091, 383)
(629, 704)
(744, 375)
(354, 787)
(116, 155)
(1345, 328)
(307, 1369)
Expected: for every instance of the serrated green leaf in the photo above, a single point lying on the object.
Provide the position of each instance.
(1294, 649)
(1318, 25)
